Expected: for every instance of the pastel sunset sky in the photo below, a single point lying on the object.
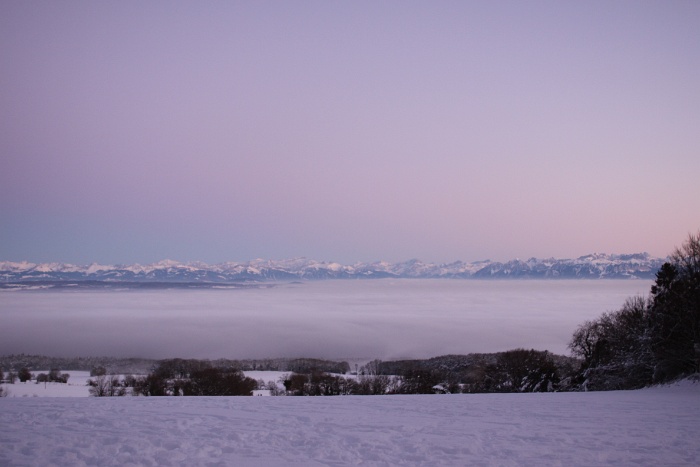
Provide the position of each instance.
(135, 131)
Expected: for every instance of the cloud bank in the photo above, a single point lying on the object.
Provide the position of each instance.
(327, 319)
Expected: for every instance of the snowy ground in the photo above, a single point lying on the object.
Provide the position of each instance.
(75, 387)
(654, 427)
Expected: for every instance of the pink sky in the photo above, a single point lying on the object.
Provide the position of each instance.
(216, 131)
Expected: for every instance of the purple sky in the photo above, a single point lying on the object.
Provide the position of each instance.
(135, 131)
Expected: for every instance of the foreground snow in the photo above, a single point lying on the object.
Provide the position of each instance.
(658, 426)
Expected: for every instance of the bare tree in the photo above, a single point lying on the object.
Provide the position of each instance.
(107, 386)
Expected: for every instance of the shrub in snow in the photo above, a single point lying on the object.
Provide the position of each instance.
(24, 374)
(179, 377)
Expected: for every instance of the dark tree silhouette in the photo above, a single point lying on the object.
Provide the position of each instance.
(24, 374)
(647, 340)
(218, 382)
(675, 313)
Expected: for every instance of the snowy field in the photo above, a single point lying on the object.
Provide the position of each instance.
(649, 427)
(75, 387)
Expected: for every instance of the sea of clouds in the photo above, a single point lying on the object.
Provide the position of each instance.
(386, 319)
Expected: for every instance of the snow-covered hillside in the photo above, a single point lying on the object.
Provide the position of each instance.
(596, 266)
(650, 427)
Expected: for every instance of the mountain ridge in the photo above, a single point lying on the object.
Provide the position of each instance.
(592, 266)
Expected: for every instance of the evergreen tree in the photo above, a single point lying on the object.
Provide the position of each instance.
(675, 313)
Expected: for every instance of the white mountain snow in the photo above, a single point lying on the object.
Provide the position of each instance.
(593, 266)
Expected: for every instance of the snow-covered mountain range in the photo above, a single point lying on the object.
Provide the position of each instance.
(594, 266)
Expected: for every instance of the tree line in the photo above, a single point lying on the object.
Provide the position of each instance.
(144, 365)
(649, 340)
(23, 375)
(517, 370)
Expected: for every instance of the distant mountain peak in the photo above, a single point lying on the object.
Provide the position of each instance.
(592, 266)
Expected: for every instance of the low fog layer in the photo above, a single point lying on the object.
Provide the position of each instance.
(384, 319)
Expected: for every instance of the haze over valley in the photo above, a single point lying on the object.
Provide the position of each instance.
(385, 318)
